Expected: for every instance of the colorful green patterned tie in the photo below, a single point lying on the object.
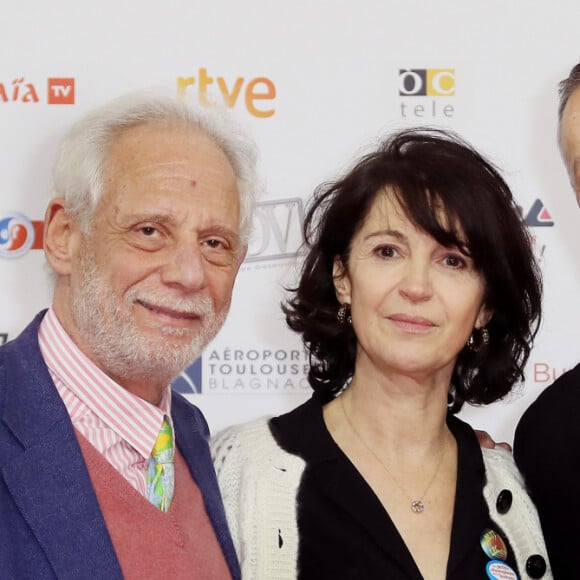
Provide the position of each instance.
(160, 471)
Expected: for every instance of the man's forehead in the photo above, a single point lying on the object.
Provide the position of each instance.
(570, 132)
(171, 152)
(571, 115)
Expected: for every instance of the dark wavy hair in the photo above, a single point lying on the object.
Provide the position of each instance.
(426, 170)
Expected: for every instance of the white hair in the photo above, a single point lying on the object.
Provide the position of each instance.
(78, 169)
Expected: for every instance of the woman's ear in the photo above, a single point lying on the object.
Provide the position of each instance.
(341, 281)
(61, 233)
(483, 317)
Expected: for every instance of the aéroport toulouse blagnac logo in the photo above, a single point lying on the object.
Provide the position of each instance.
(53, 91)
(190, 380)
(256, 95)
(18, 235)
(243, 371)
(427, 93)
(277, 230)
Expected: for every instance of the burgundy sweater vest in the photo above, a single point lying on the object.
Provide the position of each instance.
(149, 543)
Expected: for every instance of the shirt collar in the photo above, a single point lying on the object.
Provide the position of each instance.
(135, 420)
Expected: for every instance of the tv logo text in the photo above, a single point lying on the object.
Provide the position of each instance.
(60, 91)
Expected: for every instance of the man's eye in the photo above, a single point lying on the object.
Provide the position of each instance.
(148, 230)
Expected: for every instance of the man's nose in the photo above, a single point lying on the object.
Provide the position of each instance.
(185, 266)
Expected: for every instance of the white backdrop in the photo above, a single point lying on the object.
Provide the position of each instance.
(317, 82)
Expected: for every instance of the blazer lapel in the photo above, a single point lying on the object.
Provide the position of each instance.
(191, 438)
(51, 487)
(46, 473)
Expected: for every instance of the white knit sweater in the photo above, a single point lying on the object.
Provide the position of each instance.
(259, 482)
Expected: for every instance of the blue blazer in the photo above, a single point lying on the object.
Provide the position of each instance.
(50, 522)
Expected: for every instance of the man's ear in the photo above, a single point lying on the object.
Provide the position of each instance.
(341, 281)
(61, 235)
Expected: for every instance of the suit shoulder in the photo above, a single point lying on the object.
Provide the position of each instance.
(563, 395)
(549, 425)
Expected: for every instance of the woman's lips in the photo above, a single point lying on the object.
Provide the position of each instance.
(413, 324)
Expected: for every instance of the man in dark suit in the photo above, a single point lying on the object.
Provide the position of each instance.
(547, 439)
(104, 472)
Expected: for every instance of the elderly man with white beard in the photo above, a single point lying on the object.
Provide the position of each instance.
(104, 472)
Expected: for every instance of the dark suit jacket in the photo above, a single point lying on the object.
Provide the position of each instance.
(547, 451)
(50, 522)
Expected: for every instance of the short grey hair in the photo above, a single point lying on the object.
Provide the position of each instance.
(566, 88)
(78, 169)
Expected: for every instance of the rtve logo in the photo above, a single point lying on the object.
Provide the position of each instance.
(60, 91)
(257, 94)
(427, 82)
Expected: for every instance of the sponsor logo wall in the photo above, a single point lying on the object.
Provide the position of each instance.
(316, 92)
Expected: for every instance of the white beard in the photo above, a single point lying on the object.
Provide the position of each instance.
(116, 343)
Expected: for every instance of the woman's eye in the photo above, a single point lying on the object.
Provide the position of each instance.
(386, 251)
(454, 262)
(148, 231)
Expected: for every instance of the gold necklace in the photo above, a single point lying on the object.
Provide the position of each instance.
(417, 505)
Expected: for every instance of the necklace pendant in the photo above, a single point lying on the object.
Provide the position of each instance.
(418, 506)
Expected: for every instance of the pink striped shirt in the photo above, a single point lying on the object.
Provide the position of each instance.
(121, 426)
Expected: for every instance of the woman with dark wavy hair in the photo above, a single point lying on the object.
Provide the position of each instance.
(420, 292)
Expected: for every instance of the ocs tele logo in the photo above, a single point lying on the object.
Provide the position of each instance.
(427, 82)
(16, 235)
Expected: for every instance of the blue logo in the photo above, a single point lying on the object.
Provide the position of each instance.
(16, 235)
(189, 381)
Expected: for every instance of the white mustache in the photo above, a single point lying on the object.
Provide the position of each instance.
(188, 306)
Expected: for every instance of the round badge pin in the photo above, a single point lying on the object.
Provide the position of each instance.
(493, 545)
(498, 570)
